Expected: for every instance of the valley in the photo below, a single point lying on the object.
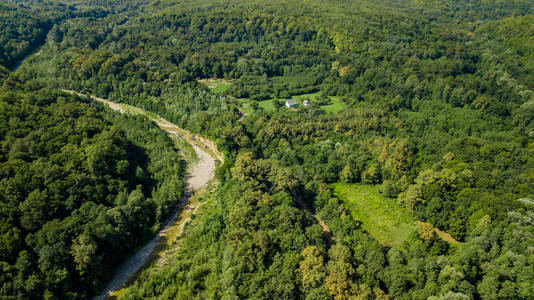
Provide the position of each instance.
(198, 176)
(277, 149)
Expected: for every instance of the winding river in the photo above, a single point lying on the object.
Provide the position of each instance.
(199, 175)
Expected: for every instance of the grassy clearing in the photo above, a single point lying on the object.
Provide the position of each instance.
(217, 86)
(245, 106)
(268, 105)
(336, 106)
(220, 86)
(387, 221)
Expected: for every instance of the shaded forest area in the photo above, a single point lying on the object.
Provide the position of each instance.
(77, 193)
(20, 34)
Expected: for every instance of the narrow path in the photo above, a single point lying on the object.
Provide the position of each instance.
(447, 237)
(325, 228)
(199, 175)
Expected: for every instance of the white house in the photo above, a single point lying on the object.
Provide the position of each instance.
(291, 103)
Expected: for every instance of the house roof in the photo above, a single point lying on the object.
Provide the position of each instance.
(291, 102)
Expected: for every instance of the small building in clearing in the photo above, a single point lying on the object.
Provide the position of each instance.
(306, 103)
(291, 103)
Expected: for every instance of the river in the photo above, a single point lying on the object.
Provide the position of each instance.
(199, 175)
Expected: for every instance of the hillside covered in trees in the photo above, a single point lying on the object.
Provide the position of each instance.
(20, 33)
(434, 115)
(77, 193)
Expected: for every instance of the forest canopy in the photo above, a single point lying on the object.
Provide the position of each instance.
(434, 114)
(20, 33)
(77, 193)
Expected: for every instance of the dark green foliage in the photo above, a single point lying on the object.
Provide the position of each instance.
(20, 34)
(245, 245)
(77, 194)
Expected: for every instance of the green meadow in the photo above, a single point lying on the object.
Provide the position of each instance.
(387, 221)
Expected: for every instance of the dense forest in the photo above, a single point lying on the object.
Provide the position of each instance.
(78, 193)
(435, 124)
(20, 32)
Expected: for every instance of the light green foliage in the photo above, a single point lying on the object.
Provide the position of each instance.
(517, 32)
(383, 218)
(217, 86)
(334, 108)
(268, 105)
(244, 243)
(312, 268)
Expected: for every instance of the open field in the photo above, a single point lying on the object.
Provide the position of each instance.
(267, 105)
(387, 221)
(383, 218)
(217, 85)
(336, 105)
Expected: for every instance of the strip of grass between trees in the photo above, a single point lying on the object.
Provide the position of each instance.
(386, 220)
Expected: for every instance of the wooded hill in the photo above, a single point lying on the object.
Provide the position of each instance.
(77, 193)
